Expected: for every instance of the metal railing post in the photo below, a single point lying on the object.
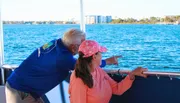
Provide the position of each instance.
(62, 93)
(1, 47)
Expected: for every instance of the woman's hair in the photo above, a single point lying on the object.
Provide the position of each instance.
(82, 69)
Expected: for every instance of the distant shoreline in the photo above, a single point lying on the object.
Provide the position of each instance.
(99, 24)
(167, 20)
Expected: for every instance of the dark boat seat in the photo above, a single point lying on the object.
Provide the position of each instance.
(150, 90)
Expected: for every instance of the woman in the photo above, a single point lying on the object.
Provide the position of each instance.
(89, 83)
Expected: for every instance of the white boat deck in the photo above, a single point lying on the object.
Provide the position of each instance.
(2, 94)
(53, 95)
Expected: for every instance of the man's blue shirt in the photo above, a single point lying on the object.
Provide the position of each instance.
(44, 69)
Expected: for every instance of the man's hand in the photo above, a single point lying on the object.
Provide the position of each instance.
(112, 60)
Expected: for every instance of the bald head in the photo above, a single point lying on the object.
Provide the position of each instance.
(72, 39)
(73, 36)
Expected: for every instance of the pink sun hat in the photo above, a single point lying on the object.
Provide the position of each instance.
(90, 47)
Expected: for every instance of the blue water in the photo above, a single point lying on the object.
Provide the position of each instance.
(156, 47)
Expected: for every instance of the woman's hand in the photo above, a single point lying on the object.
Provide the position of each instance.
(138, 72)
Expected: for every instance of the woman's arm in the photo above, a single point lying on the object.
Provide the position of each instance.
(121, 87)
(126, 83)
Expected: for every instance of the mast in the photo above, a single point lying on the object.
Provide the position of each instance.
(82, 24)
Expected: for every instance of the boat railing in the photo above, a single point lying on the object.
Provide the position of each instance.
(112, 72)
(6, 66)
(149, 73)
(118, 71)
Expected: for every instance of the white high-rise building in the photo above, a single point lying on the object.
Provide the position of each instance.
(108, 19)
(98, 19)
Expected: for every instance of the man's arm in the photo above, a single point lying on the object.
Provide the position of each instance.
(110, 61)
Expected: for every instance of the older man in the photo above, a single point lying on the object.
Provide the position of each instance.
(45, 68)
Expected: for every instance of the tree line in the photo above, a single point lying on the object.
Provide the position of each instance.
(151, 20)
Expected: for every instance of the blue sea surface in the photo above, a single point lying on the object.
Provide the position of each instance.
(156, 47)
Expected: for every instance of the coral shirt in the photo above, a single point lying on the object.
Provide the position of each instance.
(103, 88)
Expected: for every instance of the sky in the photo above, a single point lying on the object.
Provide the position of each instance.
(36, 10)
